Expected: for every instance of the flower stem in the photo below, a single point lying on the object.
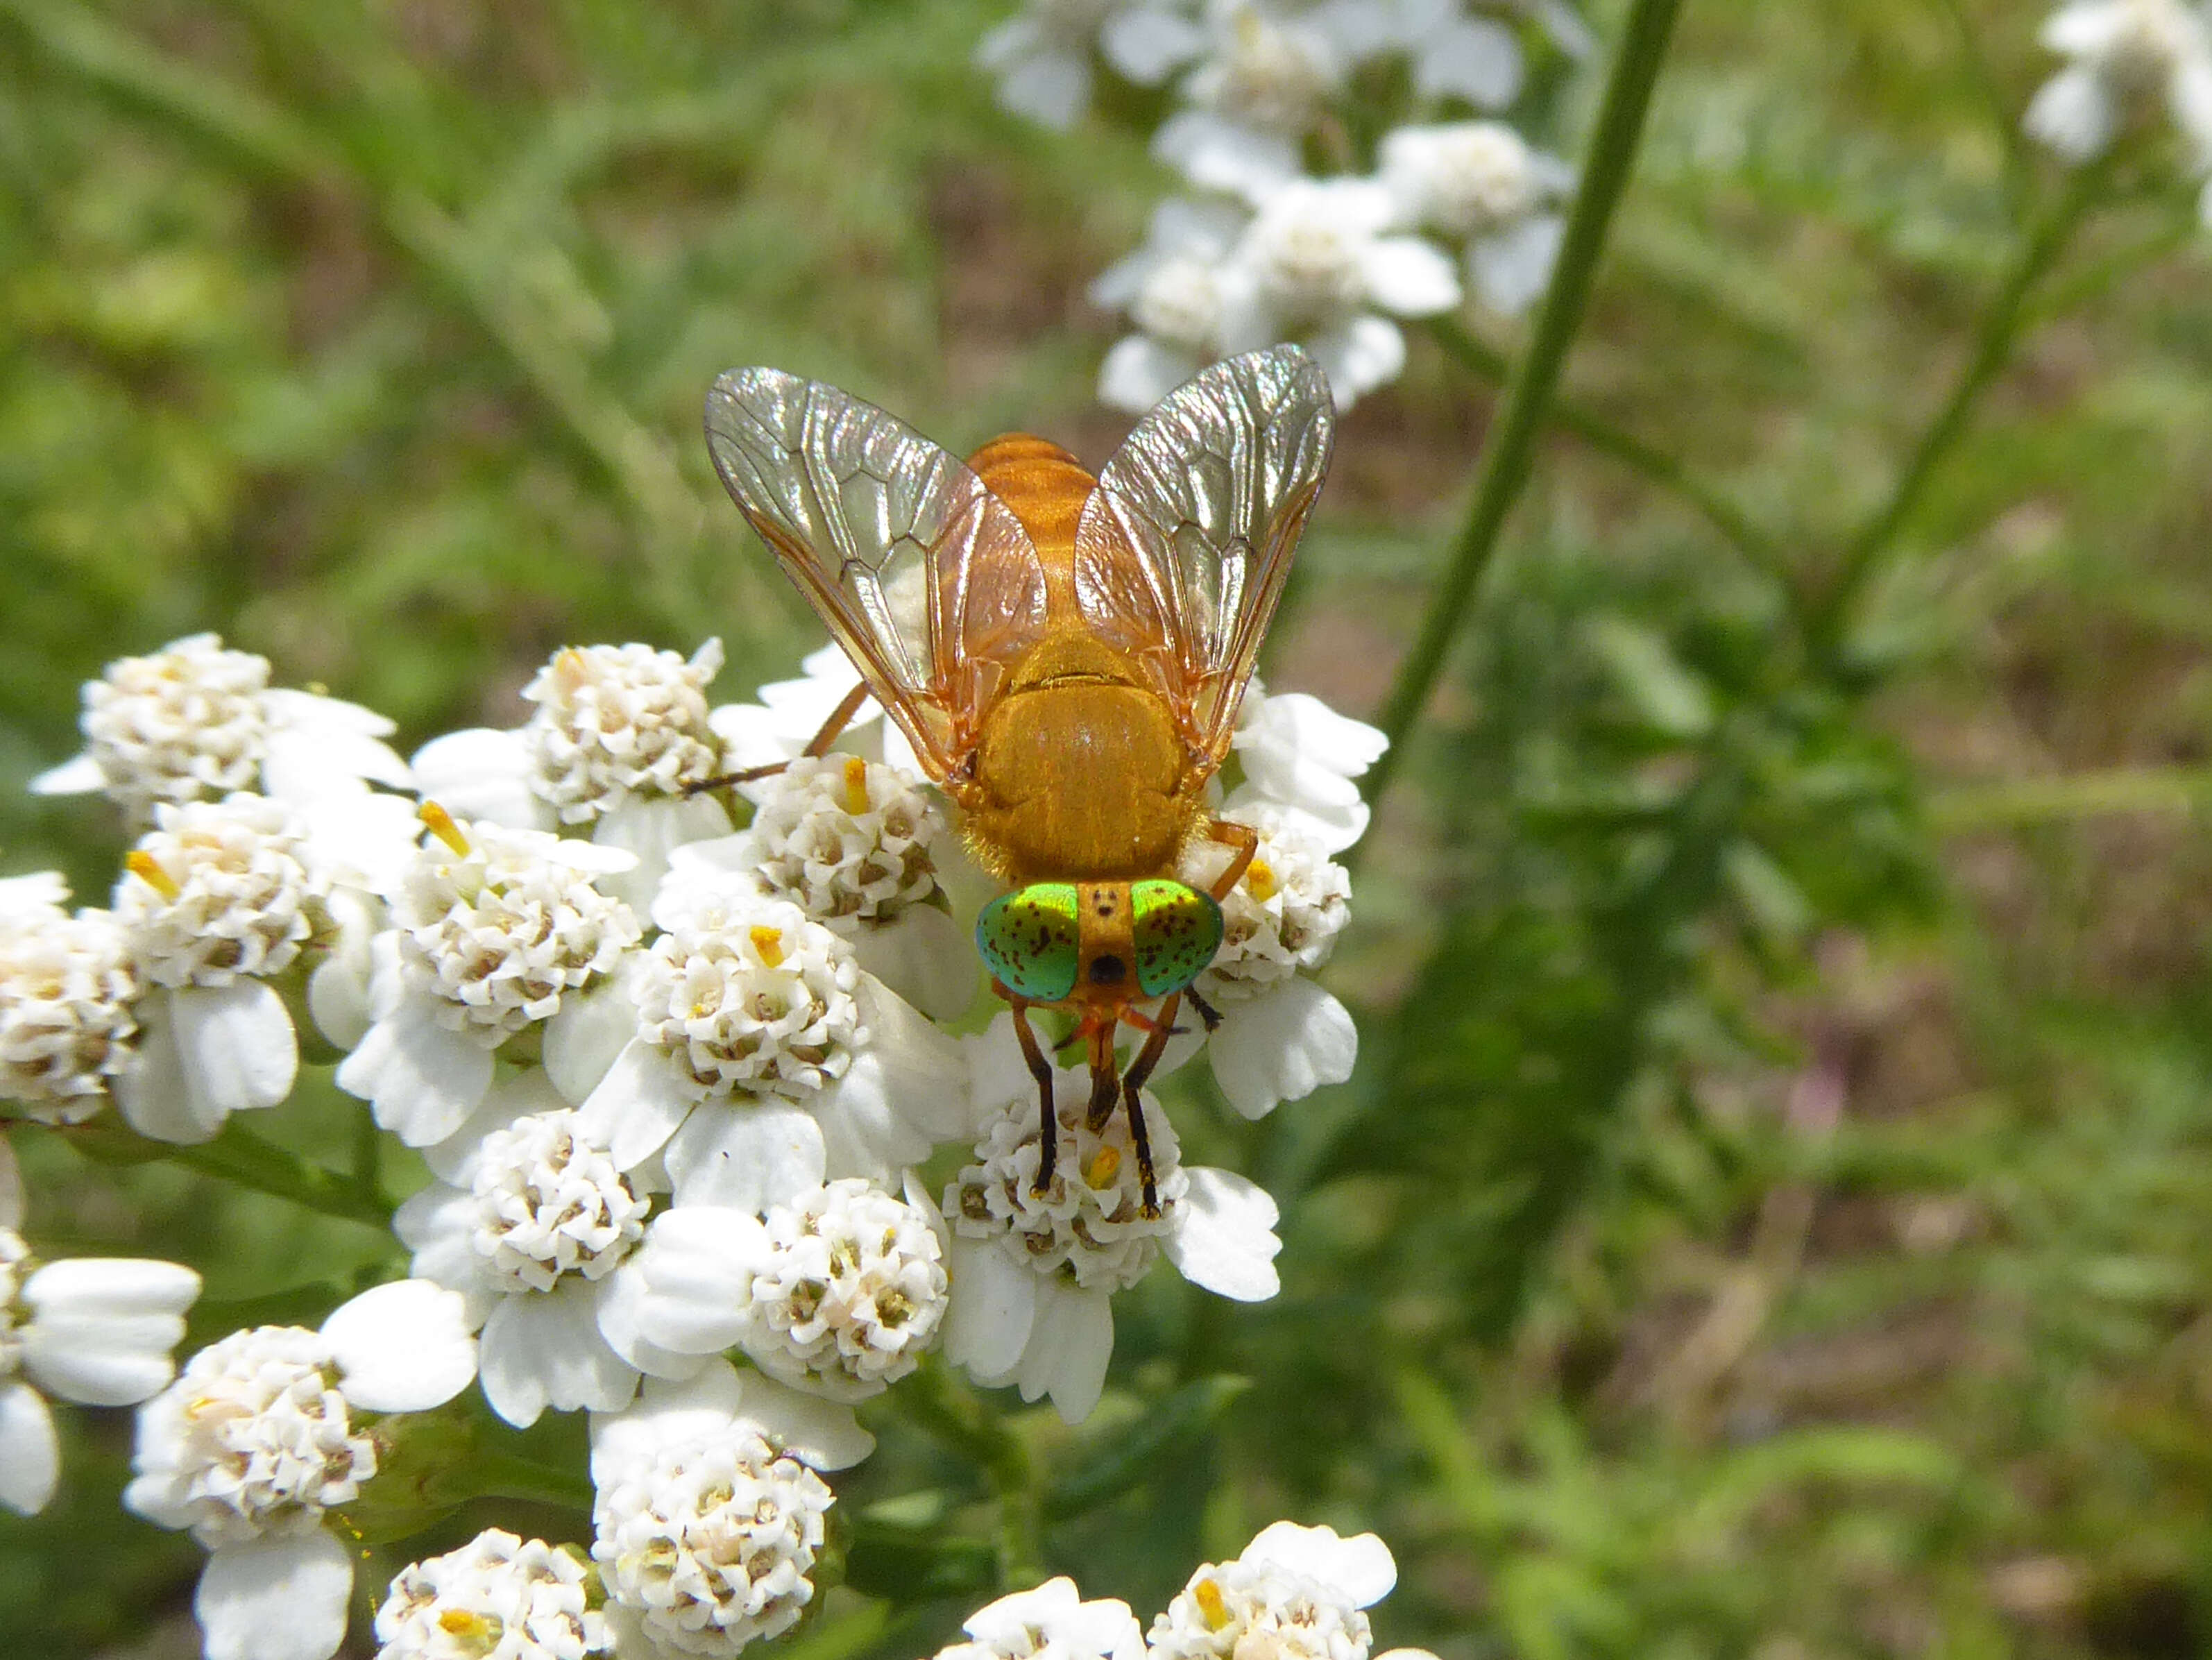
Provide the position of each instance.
(1967, 808)
(239, 1156)
(1998, 332)
(1508, 456)
(1661, 469)
(939, 1405)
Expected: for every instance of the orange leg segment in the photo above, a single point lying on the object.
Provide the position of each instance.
(1246, 842)
(817, 746)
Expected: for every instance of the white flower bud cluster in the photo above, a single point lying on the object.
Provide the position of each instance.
(1240, 1608)
(1282, 916)
(847, 840)
(503, 925)
(770, 1008)
(67, 984)
(498, 1598)
(254, 1437)
(615, 720)
(181, 724)
(218, 892)
(550, 1202)
(852, 1292)
(15, 1268)
(710, 1546)
(1089, 1225)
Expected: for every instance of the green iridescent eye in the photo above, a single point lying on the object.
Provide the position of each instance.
(1177, 930)
(1030, 940)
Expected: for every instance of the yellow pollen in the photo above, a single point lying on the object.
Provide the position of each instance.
(856, 785)
(1105, 1164)
(1259, 877)
(769, 942)
(477, 1633)
(568, 669)
(141, 865)
(1208, 1596)
(443, 827)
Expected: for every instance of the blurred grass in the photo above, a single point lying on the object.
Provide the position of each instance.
(1770, 1219)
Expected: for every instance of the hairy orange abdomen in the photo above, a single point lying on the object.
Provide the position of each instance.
(1079, 768)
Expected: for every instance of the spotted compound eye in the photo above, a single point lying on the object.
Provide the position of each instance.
(1030, 940)
(1177, 931)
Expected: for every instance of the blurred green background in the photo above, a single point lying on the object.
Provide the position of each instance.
(1774, 1213)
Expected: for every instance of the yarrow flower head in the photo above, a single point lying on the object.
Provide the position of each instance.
(709, 1515)
(1033, 1274)
(195, 721)
(216, 898)
(613, 720)
(494, 930)
(765, 1059)
(66, 986)
(2124, 54)
(259, 1440)
(1265, 83)
(1294, 1593)
(620, 737)
(530, 1221)
(1050, 1622)
(1181, 290)
(97, 1330)
(838, 1291)
(1480, 184)
(498, 1598)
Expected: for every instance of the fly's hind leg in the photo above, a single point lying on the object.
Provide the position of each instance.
(1131, 1081)
(817, 746)
(1047, 1111)
(1245, 841)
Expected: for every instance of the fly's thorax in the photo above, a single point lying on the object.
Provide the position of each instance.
(1082, 781)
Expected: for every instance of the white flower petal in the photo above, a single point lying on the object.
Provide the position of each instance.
(926, 956)
(482, 773)
(1216, 153)
(422, 1079)
(156, 1098)
(2074, 114)
(1282, 1045)
(78, 776)
(1409, 275)
(1510, 270)
(992, 1306)
(30, 1454)
(651, 828)
(586, 1034)
(667, 1412)
(402, 1347)
(102, 1329)
(1053, 88)
(637, 1107)
(1476, 58)
(275, 1599)
(1358, 1568)
(517, 1096)
(697, 1264)
(744, 1156)
(1364, 353)
(620, 1301)
(1068, 1348)
(2085, 28)
(818, 1432)
(1145, 43)
(1225, 1238)
(438, 1225)
(1138, 371)
(543, 1349)
(236, 1045)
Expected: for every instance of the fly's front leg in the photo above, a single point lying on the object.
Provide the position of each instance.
(1245, 842)
(1048, 1111)
(817, 746)
(1131, 1081)
(1105, 1086)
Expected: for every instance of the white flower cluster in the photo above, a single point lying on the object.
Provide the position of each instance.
(1295, 1593)
(1267, 252)
(2123, 57)
(674, 1082)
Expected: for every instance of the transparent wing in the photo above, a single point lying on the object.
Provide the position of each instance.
(927, 580)
(1183, 548)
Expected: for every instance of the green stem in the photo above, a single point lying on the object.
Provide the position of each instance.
(940, 1406)
(239, 1156)
(1663, 470)
(494, 1474)
(1508, 456)
(1995, 339)
(1965, 808)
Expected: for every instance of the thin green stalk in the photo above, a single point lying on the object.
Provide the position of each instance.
(239, 1156)
(1999, 331)
(1660, 469)
(1508, 456)
(944, 1409)
(1965, 808)
(494, 1474)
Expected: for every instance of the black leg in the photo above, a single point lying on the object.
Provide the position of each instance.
(1207, 1012)
(1131, 1081)
(1047, 1111)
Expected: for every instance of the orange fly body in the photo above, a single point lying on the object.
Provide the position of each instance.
(1066, 654)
